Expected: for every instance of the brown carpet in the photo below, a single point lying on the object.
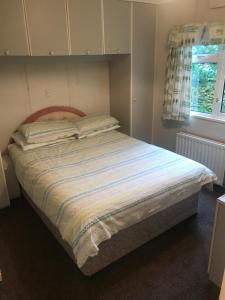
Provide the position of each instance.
(172, 266)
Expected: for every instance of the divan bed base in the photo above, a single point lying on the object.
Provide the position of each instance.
(130, 238)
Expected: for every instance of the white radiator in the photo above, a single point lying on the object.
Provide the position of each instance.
(207, 152)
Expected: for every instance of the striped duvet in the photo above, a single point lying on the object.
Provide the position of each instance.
(92, 188)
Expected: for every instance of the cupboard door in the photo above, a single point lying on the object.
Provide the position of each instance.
(85, 20)
(47, 27)
(217, 253)
(4, 199)
(13, 38)
(120, 90)
(117, 26)
(143, 70)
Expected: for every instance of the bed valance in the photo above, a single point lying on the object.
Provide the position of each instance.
(197, 34)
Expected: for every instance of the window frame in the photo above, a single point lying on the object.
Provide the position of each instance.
(218, 58)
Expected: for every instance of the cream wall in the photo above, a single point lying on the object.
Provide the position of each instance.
(29, 84)
(168, 15)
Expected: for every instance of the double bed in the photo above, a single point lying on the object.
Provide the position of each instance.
(106, 195)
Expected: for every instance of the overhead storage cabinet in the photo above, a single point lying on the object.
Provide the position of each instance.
(13, 38)
(85, 25)
(117, 26)
(47, 27)
(64, 27)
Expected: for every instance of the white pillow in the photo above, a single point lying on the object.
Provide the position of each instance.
(92, 124)
(98, 132)
(45, 131)
(20, 140)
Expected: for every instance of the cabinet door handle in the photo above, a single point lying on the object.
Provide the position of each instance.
(6, 52)
(118, 51)
(51, 53)
(88, 52)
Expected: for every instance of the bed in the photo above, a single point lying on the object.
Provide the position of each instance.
(106, 195)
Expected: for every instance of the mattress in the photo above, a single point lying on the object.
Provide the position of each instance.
(92, 188)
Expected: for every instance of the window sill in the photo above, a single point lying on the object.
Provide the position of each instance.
(207, 117)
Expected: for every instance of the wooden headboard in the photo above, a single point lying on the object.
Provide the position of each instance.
(54, 112)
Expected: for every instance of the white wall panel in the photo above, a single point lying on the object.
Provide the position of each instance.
(47, 82)
(14, 101)
(27, 85)
(89, 86)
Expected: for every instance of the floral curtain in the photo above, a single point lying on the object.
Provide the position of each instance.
(176, 104)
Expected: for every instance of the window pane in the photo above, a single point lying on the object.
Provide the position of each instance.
(210, 49)
(223, 100)
(203, 86)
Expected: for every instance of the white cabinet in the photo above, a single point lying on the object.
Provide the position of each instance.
(142, 70)
(4, 197)
(47, 26)
(13, 38)
(217, 253)
(117, 26)
(94, 22)
(63, 27)
(131, 76)
(120, 90)
(85, 25)
(222, 292)
(10, 176)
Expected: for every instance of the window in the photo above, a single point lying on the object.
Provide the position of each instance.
(208, 81)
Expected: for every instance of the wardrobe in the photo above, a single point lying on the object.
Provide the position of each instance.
(121, 31)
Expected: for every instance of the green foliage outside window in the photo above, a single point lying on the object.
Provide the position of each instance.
(210, 49)
(203, 86)
(203, 80)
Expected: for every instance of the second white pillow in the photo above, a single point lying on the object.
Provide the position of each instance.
(91, 125)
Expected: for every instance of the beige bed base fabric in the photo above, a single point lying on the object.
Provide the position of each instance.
(130, 238)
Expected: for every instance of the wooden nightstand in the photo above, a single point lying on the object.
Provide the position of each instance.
(4, 196)
(217, 252)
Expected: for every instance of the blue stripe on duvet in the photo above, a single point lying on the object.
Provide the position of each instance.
(30, 163)
(136, 203)
(104, 169)
(70, 200)
(34, 181)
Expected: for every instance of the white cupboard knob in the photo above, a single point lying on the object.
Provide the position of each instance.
(88, 52)
(51, 53)
(6, 52)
